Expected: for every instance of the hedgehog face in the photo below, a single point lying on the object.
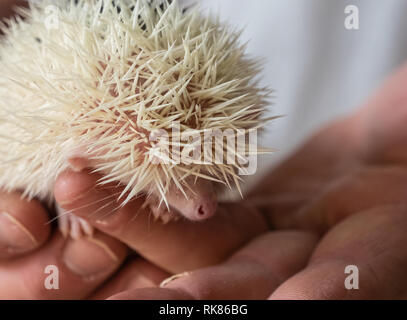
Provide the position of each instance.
(105, 81)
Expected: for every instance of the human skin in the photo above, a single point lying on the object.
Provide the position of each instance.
(338, 201)
(6, 7)
(28, 246)
(347, 185)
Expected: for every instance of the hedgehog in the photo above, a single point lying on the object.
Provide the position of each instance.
(98, 84)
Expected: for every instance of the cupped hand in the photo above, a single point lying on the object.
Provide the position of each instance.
(30, 252)
(347, 184)
(227, 241)
(28, 246)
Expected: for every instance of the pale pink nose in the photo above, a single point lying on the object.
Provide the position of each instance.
(197, 205)
(204, 211)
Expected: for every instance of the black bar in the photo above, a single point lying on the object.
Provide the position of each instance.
(206, 310)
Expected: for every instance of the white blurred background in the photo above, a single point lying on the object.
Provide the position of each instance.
(318, 69)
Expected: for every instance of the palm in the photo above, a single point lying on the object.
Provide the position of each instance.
(361, 157)
(347, 183)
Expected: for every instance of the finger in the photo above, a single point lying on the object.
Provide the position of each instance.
(176, 246)
(252, 273)
(364, 189)
(310, 170)
(375, 134)
(62, 269)
(23, 225)
(381, 122)
(373, 241)
(136, 274)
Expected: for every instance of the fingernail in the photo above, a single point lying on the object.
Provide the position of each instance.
(14, 236)
(174, 277)
(89, 258)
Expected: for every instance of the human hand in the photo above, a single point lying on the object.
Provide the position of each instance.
(182, 245)
(345, 200)
(346, 183)
(28, 246)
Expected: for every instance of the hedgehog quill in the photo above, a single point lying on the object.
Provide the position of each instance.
(91, 88)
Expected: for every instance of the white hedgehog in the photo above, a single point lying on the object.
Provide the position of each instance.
(89, 85)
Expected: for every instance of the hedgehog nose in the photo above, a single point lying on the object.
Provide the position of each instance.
(205, 211)
(201, 204)
(195, 209)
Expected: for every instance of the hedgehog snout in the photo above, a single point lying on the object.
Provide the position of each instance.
(205, 209)
(199, 204)
(196, 209)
